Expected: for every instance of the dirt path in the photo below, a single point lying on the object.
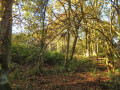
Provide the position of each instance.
(80, 80)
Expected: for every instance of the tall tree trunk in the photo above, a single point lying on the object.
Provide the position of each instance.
(64, 47)
(89, 42)
(119, 35)
(118, 14)
(5, 42)
(86, 52)
(97, 47)
(110, 60)
(68, 32)
(41, 61)
(74, 43)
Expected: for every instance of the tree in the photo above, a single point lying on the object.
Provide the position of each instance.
(5, 41)
(77, 21)
(68, 31)
(118, 14)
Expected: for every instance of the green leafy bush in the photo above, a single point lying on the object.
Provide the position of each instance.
(21, 54)
(113, 84)
(34, 71)
(72, 65)
(24, 54)
(53, 58)
(101, 55)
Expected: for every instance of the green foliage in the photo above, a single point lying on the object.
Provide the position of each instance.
(72, 65)
(87, 65)
(53, 58)
(60, 69)
(24, 54)
(104, 61)
(48, 72)
(0, 67)
(15, 71)
(15, 74)
(117, 70)
(71, 68)
(113, 84)
(13, 66)
(101, 55)
(94, 70)
(21, 54)
(34, 71)
(5, 87)
(84, 65)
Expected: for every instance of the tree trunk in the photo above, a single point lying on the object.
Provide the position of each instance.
(118, 14)
(74, 45)
(97, 47)
(41, 60)
(119, 35)
(68, 32)
(86, 52)
(110, 60)
(5, 42)
(89, 42)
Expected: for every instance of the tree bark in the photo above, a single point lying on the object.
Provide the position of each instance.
(86, 53)
(68, 32)
(41, 60)
(5, 42)
(89, 43)
(74, 44)
(118, 14)
(110, 60)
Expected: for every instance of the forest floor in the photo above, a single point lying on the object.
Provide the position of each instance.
(84, 78)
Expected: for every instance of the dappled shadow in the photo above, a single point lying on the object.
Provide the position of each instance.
(87, 76)
(113, 83)
(85, 66)
(90, 66)
(78, 86)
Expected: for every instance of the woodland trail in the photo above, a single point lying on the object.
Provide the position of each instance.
(83, 79)
(80, 80)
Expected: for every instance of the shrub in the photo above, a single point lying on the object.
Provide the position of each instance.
(24, 54)
(34, 71)
(101, 55)
(113, 84)
(72, 65)
(53, 58)
(21, 54)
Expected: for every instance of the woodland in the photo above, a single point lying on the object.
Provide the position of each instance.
(59, 44)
